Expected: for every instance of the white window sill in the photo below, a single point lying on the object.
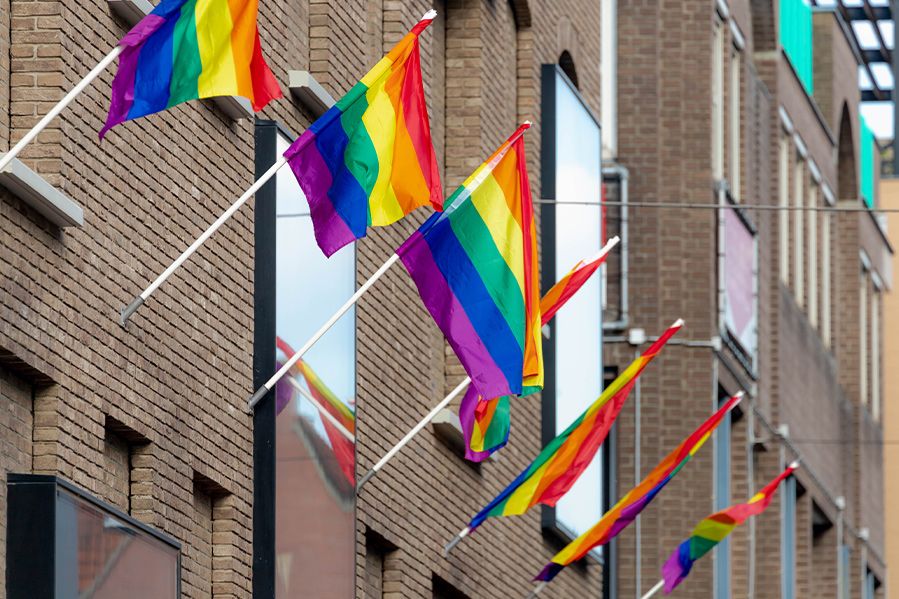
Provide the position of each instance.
(35, 191)
(132, 11)
(309, 92)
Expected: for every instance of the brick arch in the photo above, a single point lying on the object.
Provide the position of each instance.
(566, 45)
(566, 63)
(764, 25)
(847, 173)
(522, 11)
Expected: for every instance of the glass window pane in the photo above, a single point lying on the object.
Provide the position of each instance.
(315, 427)
(114, 559)
(578, 328)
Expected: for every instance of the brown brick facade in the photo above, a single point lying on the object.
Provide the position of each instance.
(151, 418)
(665, 133)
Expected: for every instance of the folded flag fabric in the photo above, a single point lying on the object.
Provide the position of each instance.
(566, 457)
(629, 507)
(486, 422)
(369, 160)
(715, 528)
(475, 266)
(186, 50)
(344, 448)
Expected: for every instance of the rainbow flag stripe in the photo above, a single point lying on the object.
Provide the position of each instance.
(629, 507)
(369, 160)
(475, 266)
(713, 529)
(319, 390)
(344, 449)
(186, 50)
(486, 422)
(566, 457)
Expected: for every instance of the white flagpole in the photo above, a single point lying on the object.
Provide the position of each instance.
(325, 413)
(67, 99)
(139, 300)
(260, 393)
(415, 430)
(654, 589)
(446, 400)
(537, 590)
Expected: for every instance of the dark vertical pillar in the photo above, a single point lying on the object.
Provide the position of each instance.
(548, 258)
(264, 366)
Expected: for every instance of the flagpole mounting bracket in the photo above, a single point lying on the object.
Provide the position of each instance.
(130, 309)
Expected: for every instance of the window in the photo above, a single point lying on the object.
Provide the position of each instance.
(62, 542)
(844, 557)
(304, 525)
(798, 233)
(718, 102)
(735, 141)
(812, 219)
(722, 438)
(571, 169)
(783, 222)
(863, 335)
(875, 352)
(826, 273)
(788, 540)
(872, 585)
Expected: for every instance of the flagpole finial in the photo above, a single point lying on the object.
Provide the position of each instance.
(430, 15)
(678, 323)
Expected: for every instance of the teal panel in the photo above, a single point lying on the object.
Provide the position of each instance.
(866, 161)
(796, 39)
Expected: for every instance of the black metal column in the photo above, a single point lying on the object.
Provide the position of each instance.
(264, 366)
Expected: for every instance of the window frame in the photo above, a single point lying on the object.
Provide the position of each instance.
(799, 231)
(784, 203)
(718, 124)
(736, 139)
(812, 245)
(32, 550)
(549, 522)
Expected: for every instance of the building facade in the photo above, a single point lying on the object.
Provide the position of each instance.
(707, 106)
(751, 109)
(889, 198)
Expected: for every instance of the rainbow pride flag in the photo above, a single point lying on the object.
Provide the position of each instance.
(566, 457)
(475, 266)
(713, 529)
(629, 507)
(344, 448)
(369, 160)
(486, 422)
(186, 50)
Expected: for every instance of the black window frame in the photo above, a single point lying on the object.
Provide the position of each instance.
(31, 533)
(265, 283)
(550, 526)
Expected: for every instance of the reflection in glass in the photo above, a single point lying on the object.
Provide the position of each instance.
(578, 328)
(315, 427)
(114, 559)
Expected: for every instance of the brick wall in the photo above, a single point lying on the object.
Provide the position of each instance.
(665, 70)
(179, 374)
